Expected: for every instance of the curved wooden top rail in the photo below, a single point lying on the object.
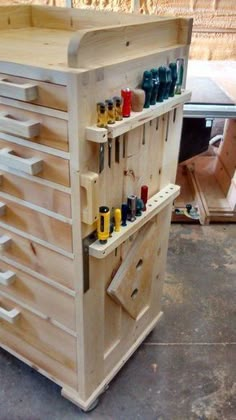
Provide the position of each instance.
(95, 48)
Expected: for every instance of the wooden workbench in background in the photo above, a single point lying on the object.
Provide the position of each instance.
(208, 181)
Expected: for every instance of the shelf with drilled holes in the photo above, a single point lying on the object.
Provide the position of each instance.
(101, 135)
(154, 205)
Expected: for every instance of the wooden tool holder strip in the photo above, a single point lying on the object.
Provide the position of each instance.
(154, 206)
(101, 135)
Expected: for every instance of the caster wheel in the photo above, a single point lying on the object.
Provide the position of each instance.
(92, 406)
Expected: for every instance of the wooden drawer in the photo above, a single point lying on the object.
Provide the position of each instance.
(36, 257)
(35, 162)
(34, 126)
(51, 230)
(33, 91)
(36, 339)
(37, 294)
(35, 193)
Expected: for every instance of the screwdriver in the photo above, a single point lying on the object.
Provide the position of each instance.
(111, 114)
(117, 217)
(126, 107)
(147, 86)
(155, 81)
(139, 207)
(124, 214)
(162, 86)
(173, 69)
(103, 225)
(118, 107)
(144, 196)
(132, 202)
(168, 83)
(101, 114)
(180, 74)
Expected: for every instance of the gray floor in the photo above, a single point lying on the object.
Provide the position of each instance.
(186, 369)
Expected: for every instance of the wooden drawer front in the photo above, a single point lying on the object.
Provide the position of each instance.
(36, 127)
(34, 162)
(37, 294)
(36, 257)
(33, 91)
(35, 338)
(35, 193)
(47, 228)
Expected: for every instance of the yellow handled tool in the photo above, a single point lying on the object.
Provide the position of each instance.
(103, 226)
(117, 217)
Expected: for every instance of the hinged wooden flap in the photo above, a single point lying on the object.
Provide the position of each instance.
(131, 284)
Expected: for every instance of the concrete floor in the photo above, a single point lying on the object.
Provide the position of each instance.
(185, 370)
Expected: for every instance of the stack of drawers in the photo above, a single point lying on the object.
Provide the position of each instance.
(37, 309)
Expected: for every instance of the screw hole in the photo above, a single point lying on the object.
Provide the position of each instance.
(127, 44)
(134, 293)
(139, 264)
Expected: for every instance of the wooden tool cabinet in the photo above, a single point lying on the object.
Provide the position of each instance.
(73, 309)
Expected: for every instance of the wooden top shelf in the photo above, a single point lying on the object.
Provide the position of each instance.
(61, 38)
(101, 135)
(154, 205)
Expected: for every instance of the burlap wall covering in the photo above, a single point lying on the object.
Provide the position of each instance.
(214, 31)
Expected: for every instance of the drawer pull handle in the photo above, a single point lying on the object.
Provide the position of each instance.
(5, 243)
(7, 278)
(23, 92)
(30, 166)
(12, 125)
(9, 316)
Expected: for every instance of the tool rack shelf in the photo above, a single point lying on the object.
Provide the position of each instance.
(67, 309)
(154, 206)
(136, 119)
